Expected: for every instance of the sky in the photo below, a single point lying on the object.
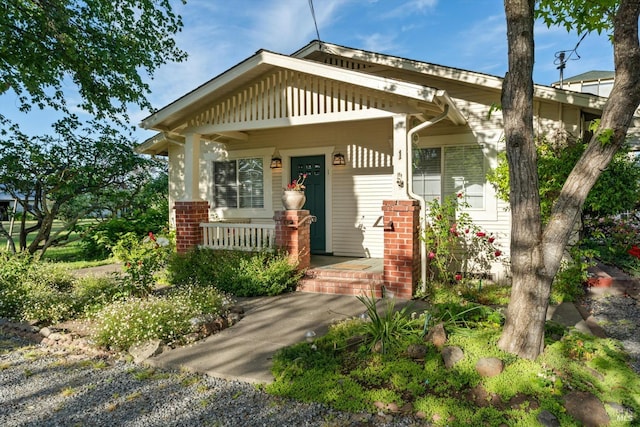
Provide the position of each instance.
(465, 34)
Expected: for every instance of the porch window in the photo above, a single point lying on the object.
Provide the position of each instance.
(239, 183)
(444, 171)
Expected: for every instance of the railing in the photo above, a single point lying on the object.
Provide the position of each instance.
(238, 237)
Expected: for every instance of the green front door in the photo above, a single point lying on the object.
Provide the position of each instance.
(314, 167)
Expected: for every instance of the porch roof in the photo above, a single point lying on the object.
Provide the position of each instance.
(191, 112)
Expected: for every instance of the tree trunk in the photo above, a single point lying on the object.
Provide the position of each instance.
(536, 257)
(524, 328)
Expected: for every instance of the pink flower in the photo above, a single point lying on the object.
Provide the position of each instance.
(459, 195)
(497, 253)
(432, 255)
(151, 236)
(466, 230)
(481, 234)
(491, 239)
(458, 276)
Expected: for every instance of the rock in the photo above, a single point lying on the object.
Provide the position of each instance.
(377, 347)
(354, 342)
(586, 408)
(45, 332)
(451, 355)
(437, 335)
(216, 325)
(238, 309)
(416, 351)
(489, 366)
(55, 336)
(142, 352)
(233, 318)
(547, 419)
(482, 398)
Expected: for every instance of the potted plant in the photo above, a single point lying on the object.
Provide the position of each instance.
(293, 197)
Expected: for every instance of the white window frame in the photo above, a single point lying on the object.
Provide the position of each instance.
(489, 149)
(234, 155)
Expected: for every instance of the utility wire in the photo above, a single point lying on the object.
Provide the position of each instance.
(313, 15)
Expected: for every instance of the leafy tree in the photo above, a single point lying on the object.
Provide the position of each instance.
(81, 172)
(102, 46)
(536, 252)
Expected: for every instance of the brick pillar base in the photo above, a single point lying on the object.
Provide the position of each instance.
(189, 215)
(401, 247)
(293, 235)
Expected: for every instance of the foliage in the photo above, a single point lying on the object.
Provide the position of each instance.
(168, 318)
(456, 247)
(387, 329)
(611, 238)
(104, 47)
(568, 285)
(146, 211)
(235, 272)
(142, 262)
(45, 292)
(80, 173)
(617, 190)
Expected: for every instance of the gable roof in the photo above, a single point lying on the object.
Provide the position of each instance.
(589, 76)
(356, 67)
(263, 61)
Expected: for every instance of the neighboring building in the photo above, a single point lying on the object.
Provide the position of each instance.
(7, 205)
(595, 82)
(405, 129)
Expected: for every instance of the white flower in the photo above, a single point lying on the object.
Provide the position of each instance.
(162, 241)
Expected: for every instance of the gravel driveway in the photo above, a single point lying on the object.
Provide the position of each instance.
(38, 388)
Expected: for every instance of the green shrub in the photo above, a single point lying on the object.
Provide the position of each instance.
(13, 268)
(568, 285)
(234, 272)
(265, 274)
(168, 318)
(34, 290)
(143, 260)
(91, 294)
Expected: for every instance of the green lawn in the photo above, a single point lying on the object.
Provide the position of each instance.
(70, 253)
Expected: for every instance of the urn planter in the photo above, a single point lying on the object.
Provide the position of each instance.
(293, 200)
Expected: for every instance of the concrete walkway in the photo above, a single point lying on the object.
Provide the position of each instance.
(244, 351)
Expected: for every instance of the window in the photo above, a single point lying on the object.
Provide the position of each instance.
(445, 171)
(239, 183)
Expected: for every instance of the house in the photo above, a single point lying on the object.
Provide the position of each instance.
(356, 122)
(595, 82)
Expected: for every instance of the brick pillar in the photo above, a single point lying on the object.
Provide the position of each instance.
(293, 235)
(401, 246)
(189, 215)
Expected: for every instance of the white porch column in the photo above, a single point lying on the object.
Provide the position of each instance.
(192, 167)
(400, 157)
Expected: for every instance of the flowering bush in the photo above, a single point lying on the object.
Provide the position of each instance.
(297, 184)
(142, 260)
(168, 318)
(456, 247)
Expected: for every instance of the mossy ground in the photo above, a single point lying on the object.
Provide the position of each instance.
(347, 376)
